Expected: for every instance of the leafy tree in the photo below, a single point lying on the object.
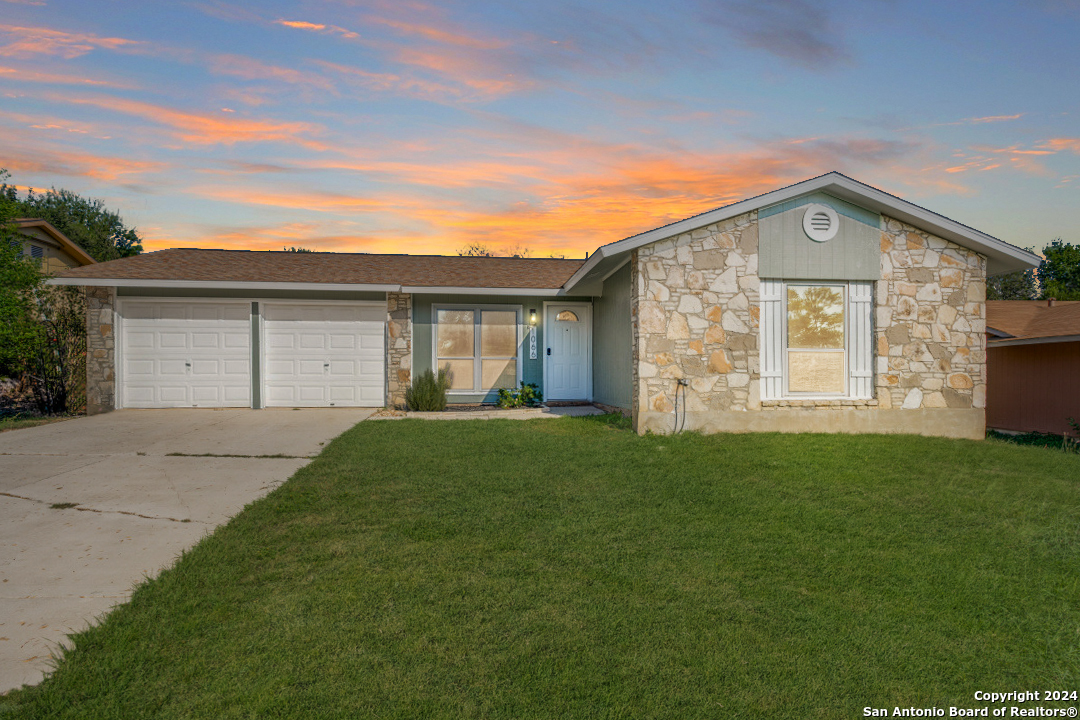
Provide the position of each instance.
(1059, 274)
(1019, 285)
(86, 222)
(296, 250)
(42, 328)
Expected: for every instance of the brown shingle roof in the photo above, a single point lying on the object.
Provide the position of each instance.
(334, 268)
(1034, 318)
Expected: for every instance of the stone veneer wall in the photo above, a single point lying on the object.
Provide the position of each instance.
(696, 307)
(930, 322)
(398, 348)
(100, 350)
(696, 296)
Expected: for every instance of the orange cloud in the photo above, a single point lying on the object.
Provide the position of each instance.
(394, 83)
(80, 164)
(202, 129)
(31, 41)
(1059, 144)
(438, 34)
(318, 27)
(35, 76)
(326, 202)
(995, 118)
(250, 69)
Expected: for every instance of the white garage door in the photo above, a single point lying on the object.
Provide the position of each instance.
(185, 354)
(322, 355)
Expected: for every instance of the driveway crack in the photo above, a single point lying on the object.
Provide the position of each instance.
(81, 508)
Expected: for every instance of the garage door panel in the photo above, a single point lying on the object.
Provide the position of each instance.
(170, 394)
(277, 341)
(312, 393)
(171, 340)
(167, 368)
(311, 341)
(184, 354)
(316, 354)
(202, 340)
(143, 340)
(343, 342)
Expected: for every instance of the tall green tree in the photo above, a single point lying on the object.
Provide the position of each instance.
(42, 328)
(99, 231)
(1059, 274)
(1019, 285)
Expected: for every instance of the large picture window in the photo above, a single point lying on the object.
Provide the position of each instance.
(481, 346)
(816, 339)
(816, 347)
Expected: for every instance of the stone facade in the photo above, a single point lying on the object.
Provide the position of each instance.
(930, 322)
(696, 297)
(697, 317)
(100, 350)
(398, 348)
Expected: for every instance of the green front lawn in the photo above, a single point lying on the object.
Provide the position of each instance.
(570, 569)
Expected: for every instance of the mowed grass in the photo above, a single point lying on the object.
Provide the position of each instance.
(571, 569)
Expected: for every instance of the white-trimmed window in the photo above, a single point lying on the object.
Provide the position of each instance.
(480, 344)
(816, 339)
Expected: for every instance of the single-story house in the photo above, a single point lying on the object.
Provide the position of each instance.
(38, 239)
(827, 306)
(1033, 365)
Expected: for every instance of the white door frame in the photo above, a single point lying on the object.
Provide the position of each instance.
(587, 307)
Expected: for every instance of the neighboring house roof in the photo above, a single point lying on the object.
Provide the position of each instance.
(1021, 322)
(1001, 256)
(187, 267)
(77, 253)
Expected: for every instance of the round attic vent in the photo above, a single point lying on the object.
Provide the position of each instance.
(820, 222)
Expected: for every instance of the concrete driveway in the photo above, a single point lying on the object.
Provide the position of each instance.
(146, 485)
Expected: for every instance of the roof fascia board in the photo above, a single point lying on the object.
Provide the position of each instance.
(1033, 341)
(429, 290)
(354, 287)
(220, 285)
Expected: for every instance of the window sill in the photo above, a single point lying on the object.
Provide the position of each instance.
(819, 402)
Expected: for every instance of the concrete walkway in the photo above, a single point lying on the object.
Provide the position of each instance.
(497, 413)
(146, 485)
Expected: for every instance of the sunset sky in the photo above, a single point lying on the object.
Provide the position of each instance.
(555, 126)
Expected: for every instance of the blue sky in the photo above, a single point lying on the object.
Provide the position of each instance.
(555, 127)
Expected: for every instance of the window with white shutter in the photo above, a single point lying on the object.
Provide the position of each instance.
(816, 340)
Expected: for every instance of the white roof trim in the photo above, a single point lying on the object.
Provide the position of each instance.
(221, 285)
(842, 187)
(421, 289)
(349, 287)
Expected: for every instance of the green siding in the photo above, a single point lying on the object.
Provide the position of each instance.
(612, 355)
(532, 371)
(246, 294)
(786, 252)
